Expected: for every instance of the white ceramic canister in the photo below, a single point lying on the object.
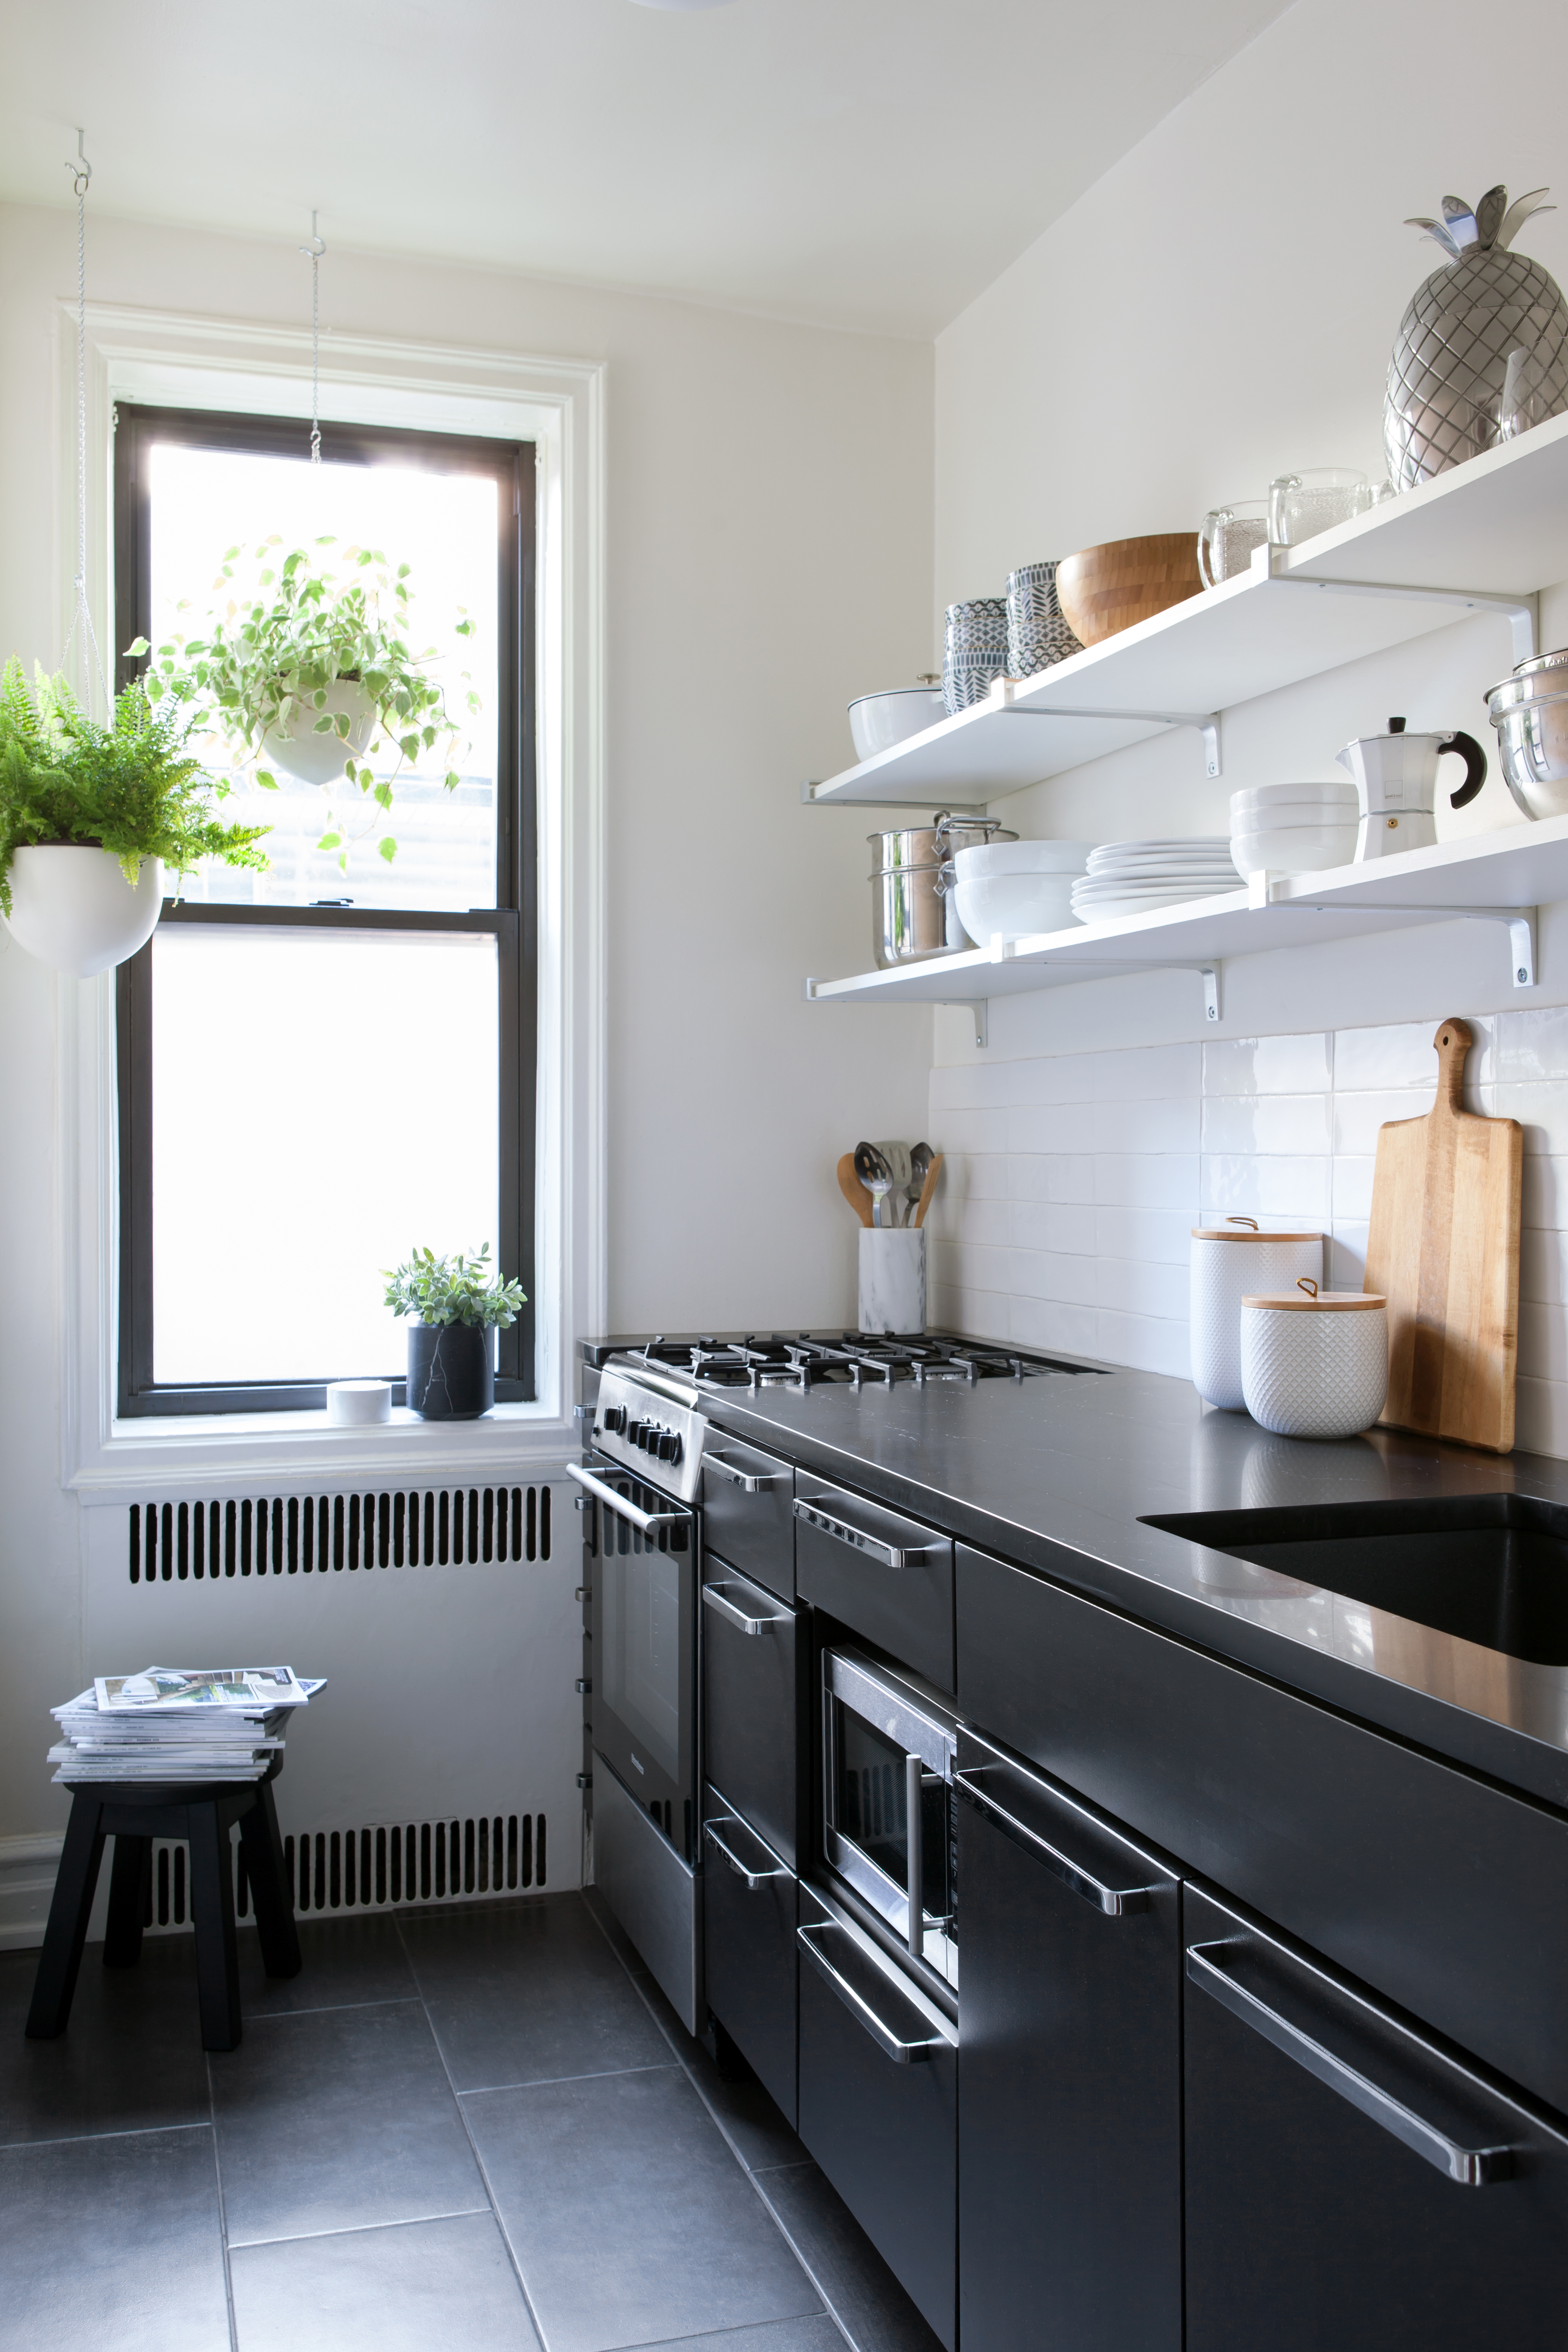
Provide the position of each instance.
(1228, 1261)
(893, 1280)
(1314, 1363)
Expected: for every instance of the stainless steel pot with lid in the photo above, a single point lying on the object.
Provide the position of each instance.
(912, 911)
(1530, 711)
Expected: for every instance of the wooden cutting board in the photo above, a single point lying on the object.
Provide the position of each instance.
(1444, 1250)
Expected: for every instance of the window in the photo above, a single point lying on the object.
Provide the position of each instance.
(318, 1069)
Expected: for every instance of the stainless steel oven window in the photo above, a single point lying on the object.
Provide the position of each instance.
(641, 1615)
(871, 1729)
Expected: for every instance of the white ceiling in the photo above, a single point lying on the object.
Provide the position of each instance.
(865, 164)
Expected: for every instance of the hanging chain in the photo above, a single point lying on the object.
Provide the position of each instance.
(82, 172)
(315, 249)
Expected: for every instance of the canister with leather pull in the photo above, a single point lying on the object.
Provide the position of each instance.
(1227, 1261)
(1314, 1363)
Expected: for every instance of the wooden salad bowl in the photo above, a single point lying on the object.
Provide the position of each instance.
(1104, 589)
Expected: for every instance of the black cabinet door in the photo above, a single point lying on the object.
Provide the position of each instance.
(1070, 2073)
(753, 1702)
(749, 1919)
(746, 1498)
(887, 1577)
(1349, 2183)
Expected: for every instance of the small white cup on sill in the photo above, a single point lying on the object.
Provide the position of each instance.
(357, 1403)
(893, 1280)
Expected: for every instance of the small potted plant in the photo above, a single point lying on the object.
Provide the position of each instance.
(308, 673)
(461, 1302)
(92, 814)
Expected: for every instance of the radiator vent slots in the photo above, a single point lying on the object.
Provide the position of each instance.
(315, 1535)
(380, 1869)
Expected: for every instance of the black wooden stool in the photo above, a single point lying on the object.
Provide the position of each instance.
(204, 1814)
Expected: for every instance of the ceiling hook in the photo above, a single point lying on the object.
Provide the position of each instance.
(317, 245)
(81, 169)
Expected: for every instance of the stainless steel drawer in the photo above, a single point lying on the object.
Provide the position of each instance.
(749, 1928)
(751, 1703)
(746, 1497)
(889, 1577)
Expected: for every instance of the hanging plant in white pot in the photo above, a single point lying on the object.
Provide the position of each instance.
(90, 817)
(309, 674)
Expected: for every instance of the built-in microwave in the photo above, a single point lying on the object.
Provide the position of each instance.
(888, 1831)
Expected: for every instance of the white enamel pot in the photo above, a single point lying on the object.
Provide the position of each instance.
(317, 758)
(1227, 1261)
(72, 908)
(1314, 1363)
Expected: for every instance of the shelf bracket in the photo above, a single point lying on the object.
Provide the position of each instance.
(1205, 721)
(980, 1008)
(1523, 611)
(1520, 922)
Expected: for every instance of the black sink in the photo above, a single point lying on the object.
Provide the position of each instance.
(1492, 1569)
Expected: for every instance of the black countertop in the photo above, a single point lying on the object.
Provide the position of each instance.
(1059, 1474)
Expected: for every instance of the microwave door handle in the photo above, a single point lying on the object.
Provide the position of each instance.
(749, 1482)
(1473, 2167)
(890, 1555)
(1116, 1902)
(891, 2046)
(649, 1521)
(914, 1769)
(726, 1853)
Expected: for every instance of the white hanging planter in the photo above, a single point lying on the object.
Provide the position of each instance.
(72, 908)
(318, 758)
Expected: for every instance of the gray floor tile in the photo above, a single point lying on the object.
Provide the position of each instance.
(427, 2286)
(113, 2242)
(346, 1960)
(528, 1993)
(751, 2117)
(631, 2164)
(851, 2273)
(130, 2060)
(817, 2334)
(339, 2119)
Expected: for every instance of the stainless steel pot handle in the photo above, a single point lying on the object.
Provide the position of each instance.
(647, 1521)
(754, 1878)
(1116, 1902)
(890, 1555)
(749, 1483)
(890, 2045)
(1473, 2167)
(714, 1598)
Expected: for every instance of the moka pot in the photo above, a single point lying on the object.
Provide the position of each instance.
(1396, 780)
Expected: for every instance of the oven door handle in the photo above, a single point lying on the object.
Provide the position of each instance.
(714, 1598)
(890, 1555)
(752, 1878)
(749, 1482)
(1116, 1902)
(649, 1521)
(891, 2046)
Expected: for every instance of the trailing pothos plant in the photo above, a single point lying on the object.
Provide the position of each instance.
(263, 666)
(131, 787)
(454, 1289)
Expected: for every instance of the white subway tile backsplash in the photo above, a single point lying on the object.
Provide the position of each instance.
(1148, 1074)
(1541, 1109)
(1358, 1116)
(1267, 1065)
(986, 1222)
(1127, 1180)
(1542, 1342)
(1040, 1274)
(1347, 1257)
(1136, 1288)
(1147, 1343)
(1353, 1188)
(1158, 1236)
(973, 1176)
(1545, 1191)
(969, 1130)
(1043, 1323)
(1271, 1123)
(1543, 1266)
(1541, 1416)
(1266, 1187)
(1145, 1125)
(1366, 1060)
(1530, 1046)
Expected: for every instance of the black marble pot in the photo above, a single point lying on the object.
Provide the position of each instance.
(451, 1370)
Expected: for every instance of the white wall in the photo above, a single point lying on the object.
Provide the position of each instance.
(769, 554)
(1218, 310)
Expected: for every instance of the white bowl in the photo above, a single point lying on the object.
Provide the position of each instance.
(985, 862)
(1317, 1370)
(1282, 796)
(1294, 849)
(878, 722)
(1014, 904)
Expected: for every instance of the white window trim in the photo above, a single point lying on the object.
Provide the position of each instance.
(195, 362)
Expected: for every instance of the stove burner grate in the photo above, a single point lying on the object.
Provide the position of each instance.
(806, 1360)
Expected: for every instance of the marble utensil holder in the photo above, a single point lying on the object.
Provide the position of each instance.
(892, 1279)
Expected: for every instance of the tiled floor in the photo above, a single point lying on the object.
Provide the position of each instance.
(478, 2128)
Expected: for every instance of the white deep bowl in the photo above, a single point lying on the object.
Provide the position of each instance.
(878, 722)
(991, 858)
(1229, 1263)
(1294, 849)
(72, 908)
(1319, 1371)
(1276, 797)
(1014, 904)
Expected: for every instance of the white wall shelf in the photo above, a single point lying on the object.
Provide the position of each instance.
(1488, 534)
(1498, 877)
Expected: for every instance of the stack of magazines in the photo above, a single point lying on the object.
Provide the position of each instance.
(172, 1724)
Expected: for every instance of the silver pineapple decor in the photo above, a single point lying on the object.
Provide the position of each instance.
(1482, 351)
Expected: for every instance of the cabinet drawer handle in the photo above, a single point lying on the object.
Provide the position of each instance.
(713, 1597)
(647, 1521)
(891, 2046)
(1473, 2167)
(750, 1482)
(890, 1555)
(1116, 1902)
(752, 1878)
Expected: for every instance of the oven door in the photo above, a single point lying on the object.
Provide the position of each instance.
(640, 1549)
(888, 1759)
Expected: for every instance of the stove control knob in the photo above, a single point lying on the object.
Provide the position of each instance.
(648, 1437)
(615, 1418)
(633, 1432)
(668, 1445)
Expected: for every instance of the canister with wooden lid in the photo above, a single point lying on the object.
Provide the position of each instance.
(1228, 1261)
(1314, 1363)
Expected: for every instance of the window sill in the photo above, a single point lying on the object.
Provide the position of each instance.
(143, 1458)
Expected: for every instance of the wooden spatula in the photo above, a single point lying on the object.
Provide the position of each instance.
(854, 1192)
(1443, 1248)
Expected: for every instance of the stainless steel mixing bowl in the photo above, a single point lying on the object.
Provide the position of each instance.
(1529, 712)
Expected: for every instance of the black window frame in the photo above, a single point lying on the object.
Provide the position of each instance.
(514, 921)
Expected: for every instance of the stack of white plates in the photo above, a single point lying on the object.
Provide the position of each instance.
(1136, 878)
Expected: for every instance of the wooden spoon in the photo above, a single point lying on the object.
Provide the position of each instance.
(928, 1188)
(854, 1192)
